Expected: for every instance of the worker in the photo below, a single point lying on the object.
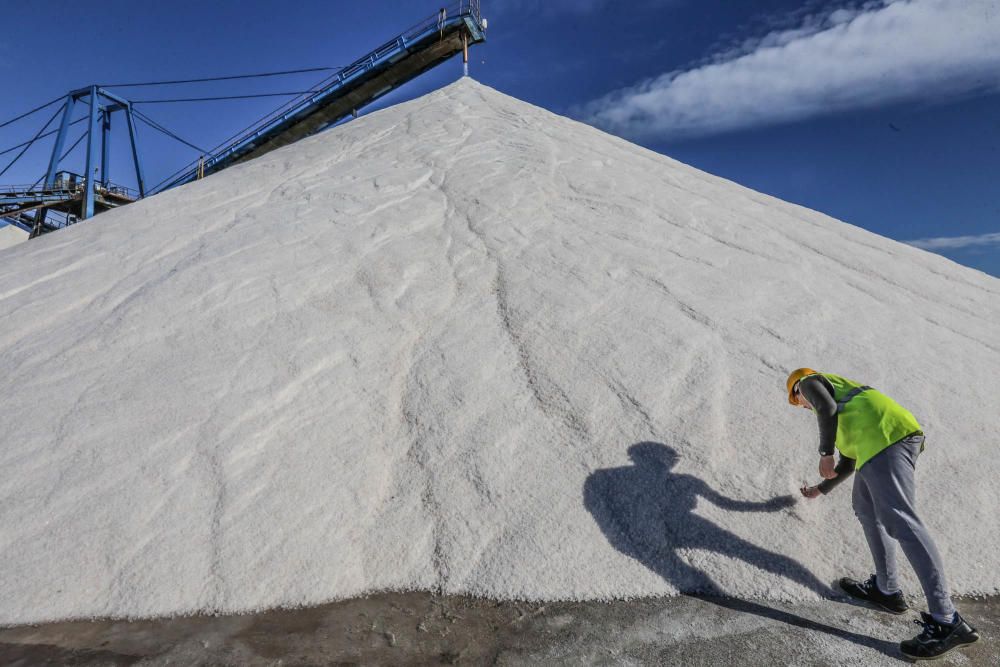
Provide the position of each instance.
(880, 440)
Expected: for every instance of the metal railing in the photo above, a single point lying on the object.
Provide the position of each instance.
(118, 190)
(69, 187)
(468, 8)
(30, 189)
(22, 191)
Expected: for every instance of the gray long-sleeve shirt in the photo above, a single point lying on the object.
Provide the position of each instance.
(819, 392)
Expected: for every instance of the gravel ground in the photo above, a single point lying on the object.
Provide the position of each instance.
(425, 629)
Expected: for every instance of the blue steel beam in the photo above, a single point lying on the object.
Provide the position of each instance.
(135, 150)
(105, 144)
(50, 175)
(120, 103)
(88, 173)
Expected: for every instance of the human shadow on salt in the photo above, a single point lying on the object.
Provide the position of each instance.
(646, 511)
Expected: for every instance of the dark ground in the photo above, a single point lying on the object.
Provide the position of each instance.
(424, 629)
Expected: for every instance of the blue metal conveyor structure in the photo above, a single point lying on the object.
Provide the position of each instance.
(432, 41)
(79, 196)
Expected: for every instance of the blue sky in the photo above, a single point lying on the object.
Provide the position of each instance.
(885, 114)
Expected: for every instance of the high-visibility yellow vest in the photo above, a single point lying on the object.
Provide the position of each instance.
(868, 421)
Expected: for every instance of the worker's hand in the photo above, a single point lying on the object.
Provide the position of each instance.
(811, 491)
(826, 467)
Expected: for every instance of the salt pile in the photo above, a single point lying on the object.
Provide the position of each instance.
(466, 345)
(11, 235)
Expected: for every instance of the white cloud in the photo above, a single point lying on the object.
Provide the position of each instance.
(874, 54)
(955, 242)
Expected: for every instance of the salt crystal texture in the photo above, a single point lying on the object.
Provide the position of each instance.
(11, 235)
(466, 345)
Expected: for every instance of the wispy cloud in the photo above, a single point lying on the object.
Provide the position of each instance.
(857, 56)
(956, 242)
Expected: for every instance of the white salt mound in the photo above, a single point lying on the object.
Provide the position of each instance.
(466, 345)
(11, 235)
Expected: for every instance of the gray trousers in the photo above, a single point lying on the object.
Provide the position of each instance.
(884, 501)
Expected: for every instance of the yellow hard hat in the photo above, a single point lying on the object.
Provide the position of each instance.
(793, 379)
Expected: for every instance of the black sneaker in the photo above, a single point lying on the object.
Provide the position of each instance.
(869, 592)
(938, 638)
